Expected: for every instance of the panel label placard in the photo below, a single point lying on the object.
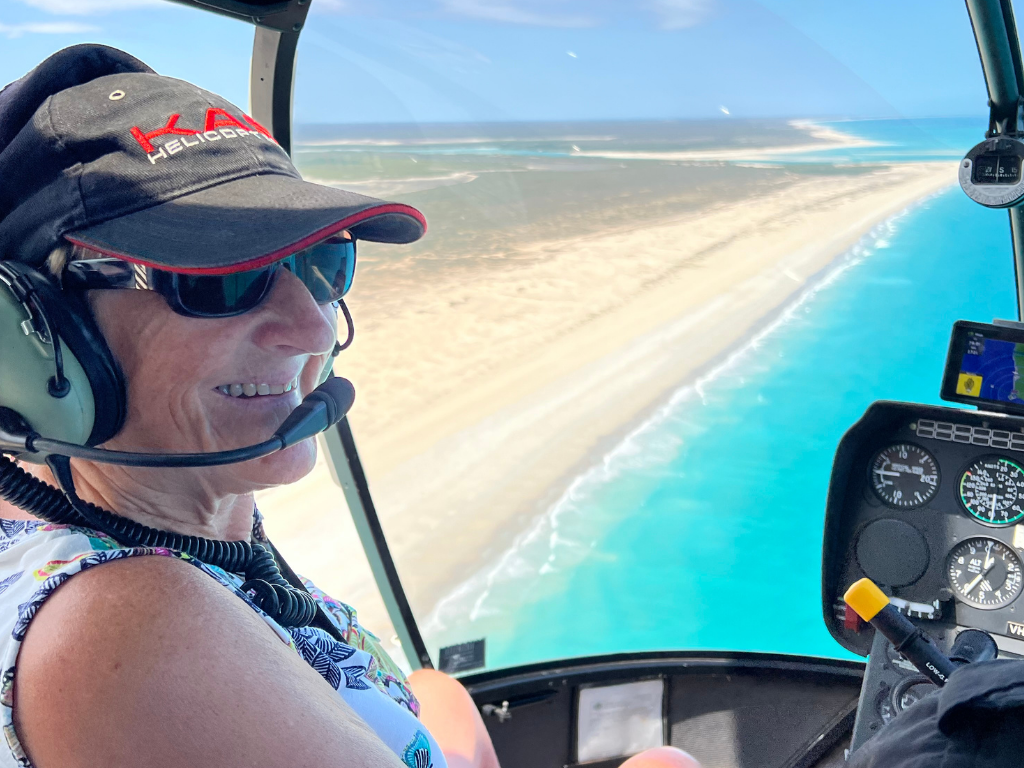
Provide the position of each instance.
(619, 720)
(462, 657)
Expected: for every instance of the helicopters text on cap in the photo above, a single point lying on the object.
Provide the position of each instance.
(98, 149)
(218, 124)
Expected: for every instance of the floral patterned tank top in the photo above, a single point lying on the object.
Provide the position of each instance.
(37, 557)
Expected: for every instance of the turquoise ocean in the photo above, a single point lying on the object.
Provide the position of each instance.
(702, 529)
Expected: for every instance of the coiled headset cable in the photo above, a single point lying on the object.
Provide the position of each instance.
(286, 600)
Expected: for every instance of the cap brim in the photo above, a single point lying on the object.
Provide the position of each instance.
(245, 223)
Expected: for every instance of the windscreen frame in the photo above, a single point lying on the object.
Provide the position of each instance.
(995, 31)
(271, 87)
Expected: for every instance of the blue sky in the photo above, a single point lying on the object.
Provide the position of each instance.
(482, 60)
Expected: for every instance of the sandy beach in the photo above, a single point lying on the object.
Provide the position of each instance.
(483, 389)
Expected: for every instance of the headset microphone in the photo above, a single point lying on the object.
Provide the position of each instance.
(322, 408)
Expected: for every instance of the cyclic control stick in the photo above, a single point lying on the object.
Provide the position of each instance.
(872, 605)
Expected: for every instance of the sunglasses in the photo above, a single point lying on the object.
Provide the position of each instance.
(326, 269)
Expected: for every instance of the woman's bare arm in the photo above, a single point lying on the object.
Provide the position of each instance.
(148, 661)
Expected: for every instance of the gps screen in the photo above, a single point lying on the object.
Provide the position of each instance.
(985, 364)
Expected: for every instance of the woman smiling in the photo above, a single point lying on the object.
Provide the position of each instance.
(170, 285)
(192, 298)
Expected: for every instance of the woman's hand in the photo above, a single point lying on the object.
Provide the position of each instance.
(662, 757)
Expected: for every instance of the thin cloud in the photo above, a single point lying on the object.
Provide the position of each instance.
(89, 7)
(46, 28)
(682, 14)
(437, 49)
(528, 14)
(669, 14)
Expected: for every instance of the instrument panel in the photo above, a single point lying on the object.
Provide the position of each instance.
(927, 502)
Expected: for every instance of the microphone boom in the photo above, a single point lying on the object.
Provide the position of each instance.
(322, 408)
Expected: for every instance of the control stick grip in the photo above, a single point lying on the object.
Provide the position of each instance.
(872, 605)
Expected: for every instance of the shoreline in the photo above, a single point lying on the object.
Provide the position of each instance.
(468, 475)
(616, 447)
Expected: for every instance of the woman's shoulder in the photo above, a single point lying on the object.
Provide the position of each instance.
(38, 557)
(133, 654)
(38, 561)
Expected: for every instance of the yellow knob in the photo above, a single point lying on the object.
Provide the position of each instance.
(866, 599)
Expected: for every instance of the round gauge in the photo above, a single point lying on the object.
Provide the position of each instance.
(992, 490)
(911, 691)
(985, 573)
(904, 475)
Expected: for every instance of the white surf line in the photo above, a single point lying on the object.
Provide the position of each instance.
(829, 139)
(832, 135)
(482, 582)
(309, 146)
(403, 185)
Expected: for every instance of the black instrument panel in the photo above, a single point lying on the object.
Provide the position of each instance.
(928, 502)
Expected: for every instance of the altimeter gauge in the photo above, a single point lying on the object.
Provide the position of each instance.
(904, 475)
(985, 573)
(992, 490)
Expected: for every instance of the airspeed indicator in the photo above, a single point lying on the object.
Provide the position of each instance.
(992, 490)
(904, 475)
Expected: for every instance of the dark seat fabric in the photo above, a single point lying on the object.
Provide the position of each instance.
(975, 721)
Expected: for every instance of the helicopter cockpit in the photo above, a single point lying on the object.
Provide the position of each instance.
(600, 465)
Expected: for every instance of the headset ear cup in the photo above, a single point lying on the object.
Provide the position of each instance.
(80, 337)
(80, 333)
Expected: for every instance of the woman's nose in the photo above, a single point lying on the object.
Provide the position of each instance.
(290, 317)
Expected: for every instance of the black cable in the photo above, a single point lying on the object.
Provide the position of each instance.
(31, 494)
(290, 606)
(321, 620)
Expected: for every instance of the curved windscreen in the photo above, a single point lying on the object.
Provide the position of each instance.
(675, 250)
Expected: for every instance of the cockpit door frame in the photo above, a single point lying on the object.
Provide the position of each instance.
(271, 87)
(995, 31)
(272, 82)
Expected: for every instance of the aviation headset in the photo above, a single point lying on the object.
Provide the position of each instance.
(74, 160)
(95, 144)
(56, 370)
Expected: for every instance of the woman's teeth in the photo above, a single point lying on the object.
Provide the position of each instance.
(254, 390)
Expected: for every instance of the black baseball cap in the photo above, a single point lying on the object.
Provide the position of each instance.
(98, 149)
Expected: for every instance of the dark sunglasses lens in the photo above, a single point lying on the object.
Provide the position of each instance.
(326, 269)
(88, 274)
(223, 295)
